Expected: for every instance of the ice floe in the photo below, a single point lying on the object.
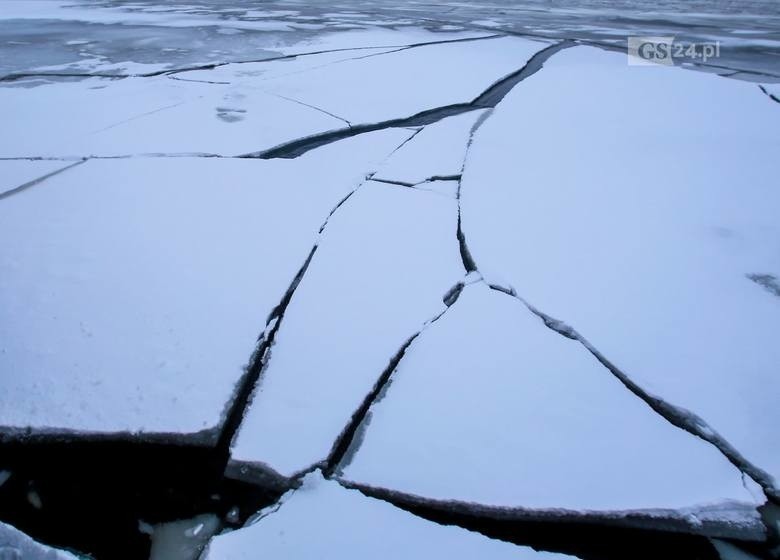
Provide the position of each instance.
(134, 290)
(533, 422)
(639, 206)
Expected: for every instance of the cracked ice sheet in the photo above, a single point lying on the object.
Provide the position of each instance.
(149, 115)
(15, 173)
(133, 291)
(15, 544)
(323, 520)
(250, 73)
(444, 188)
(438, 149)
(407, 82)
(629, 212)
(378, 38)
(386, 259)
(532, 421)
(772, 90)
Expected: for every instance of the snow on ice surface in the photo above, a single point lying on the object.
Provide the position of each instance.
(15, 544)
(438, 149)
(260, 106)
(133, 291)
(639, 206)
(149, 115)
(324, 520)
(16, 173)
(387, 258)
(445, 188)
(531, 419)
(773, 90)
(378, 38)
(255, 73)
(410, 81)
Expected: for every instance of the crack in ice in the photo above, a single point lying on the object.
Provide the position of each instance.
(486, 100)
(38, 180)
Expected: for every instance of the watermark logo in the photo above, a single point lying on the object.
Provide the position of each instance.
(667, 51)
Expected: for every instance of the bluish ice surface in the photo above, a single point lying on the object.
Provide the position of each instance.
(179, 33)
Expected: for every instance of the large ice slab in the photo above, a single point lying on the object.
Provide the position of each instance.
(15, 544)
(533, 422)
(410, 81)
(244, 108)
(323, 520)
(386, 260)
(149, 115)
(18, 173)
(133, 291)
(612, 199)
(285, 65)
(438, 150)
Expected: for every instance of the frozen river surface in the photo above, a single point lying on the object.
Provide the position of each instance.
(109, 35)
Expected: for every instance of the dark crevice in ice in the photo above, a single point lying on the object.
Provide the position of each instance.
(349, 439)
(465, 254)
(92, 495)
(469, 264)
(770, 95)
(453, 294)
(769, 282)
(433, 178)
(677, 416)
(487, 99)
(345, 440)
(99, 494)
(246, 387)
(29, 184)
(257, 473)
(28, 75)
(212, 65)
(392, 182)
(640, 535)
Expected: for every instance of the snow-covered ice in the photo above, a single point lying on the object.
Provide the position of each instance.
(639, 206)
(407, 82)
(19, 173)
(149, 256)
(323, 520)
(16, 545)
(532, 420)
(438, 150)
(133, 291)
(149, 115)
(386, 259)
(234, 109)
